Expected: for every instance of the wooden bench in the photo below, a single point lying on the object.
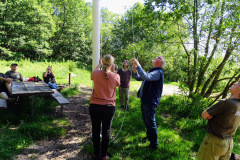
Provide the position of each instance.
(60, 99)
(3, 103)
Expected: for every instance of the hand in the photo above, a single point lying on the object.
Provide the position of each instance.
(9, 80)
(209, 117)
(100, 62)
(134, 68)
(135, 62)
(113, 68)
(49, 69)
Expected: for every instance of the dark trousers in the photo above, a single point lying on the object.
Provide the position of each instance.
(148, 115)
(101, 115)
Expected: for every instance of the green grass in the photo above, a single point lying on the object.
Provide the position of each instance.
(61, 70)
(180, 133)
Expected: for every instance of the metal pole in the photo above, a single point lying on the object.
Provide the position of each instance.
(96, 33)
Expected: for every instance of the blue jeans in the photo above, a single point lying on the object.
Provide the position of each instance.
(148, 115)
(53, 85)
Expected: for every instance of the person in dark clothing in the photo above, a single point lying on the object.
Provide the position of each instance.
(49, 78)
(125, 77)
(150, 94)
(3, 88)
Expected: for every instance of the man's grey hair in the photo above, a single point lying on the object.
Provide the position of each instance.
(163, 61)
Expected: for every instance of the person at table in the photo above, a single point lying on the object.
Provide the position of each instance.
(102, 105)
(14, 75)
(49, 78)
(3, 88)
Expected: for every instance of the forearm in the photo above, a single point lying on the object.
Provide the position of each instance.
(151, 76)
(98, 67)
(53, 74)
(205, 115)
(137, 77)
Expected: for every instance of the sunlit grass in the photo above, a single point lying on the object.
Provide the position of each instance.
(60, 69)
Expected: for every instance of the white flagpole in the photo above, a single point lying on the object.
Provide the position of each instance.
(96, 33)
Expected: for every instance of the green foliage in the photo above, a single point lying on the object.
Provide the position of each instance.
(72, 39)
(210, 41)
(25, 34)
(185, 107)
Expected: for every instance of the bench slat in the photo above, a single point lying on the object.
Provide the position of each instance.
(60, 99)
(3, 103)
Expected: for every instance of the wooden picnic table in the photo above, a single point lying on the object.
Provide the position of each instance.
(29, 88)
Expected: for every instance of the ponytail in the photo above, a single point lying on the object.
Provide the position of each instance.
(105, 71)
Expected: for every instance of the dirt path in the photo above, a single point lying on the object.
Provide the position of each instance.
(69, 146)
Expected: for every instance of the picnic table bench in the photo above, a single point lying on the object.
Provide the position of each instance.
(60, 99)
(29, 88)
(3, 103)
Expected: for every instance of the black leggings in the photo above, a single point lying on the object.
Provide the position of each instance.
(101, 114)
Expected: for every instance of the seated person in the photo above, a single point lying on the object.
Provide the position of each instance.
(48, 77)
(3, 88)
(14, 75)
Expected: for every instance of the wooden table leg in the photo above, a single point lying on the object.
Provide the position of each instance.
(61, 110)
(32, 110)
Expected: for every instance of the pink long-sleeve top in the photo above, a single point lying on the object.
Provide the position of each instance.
(104, 90)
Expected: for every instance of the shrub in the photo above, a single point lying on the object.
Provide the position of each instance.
(183, 106)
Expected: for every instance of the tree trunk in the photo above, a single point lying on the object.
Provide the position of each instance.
(204, 66)
(195, 50)
(221, 66)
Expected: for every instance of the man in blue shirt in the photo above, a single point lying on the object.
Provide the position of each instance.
(150, 94)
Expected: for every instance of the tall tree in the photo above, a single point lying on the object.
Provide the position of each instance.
(140, 33)
(213, 31)
(72, 39)
(25, 28)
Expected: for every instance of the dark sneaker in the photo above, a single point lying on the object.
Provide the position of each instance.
(153, 148)
(95, 157)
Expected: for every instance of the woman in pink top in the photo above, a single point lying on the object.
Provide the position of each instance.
(102, 104)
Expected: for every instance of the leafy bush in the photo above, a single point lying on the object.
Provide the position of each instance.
(180, 106)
